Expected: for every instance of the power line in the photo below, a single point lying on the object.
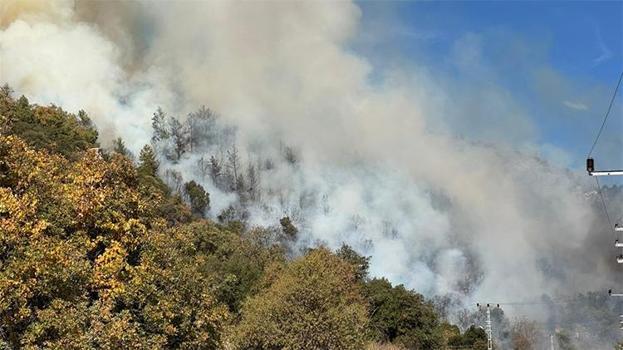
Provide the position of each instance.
(603, 123)
(539, 303)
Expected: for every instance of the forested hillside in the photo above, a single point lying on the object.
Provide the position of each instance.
(97, 252)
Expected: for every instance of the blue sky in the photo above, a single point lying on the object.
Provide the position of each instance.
(554, 63)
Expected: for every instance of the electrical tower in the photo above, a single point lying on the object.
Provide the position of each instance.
(488, 324)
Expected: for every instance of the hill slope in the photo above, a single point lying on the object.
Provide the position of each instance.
(96, 252)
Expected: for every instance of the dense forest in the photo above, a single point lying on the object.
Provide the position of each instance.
(99, 250)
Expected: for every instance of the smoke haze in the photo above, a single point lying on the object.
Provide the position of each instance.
(479, 217)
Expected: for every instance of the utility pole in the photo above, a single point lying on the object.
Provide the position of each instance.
(551, 341)
(489, 327)
(590, 168)
(489, 330)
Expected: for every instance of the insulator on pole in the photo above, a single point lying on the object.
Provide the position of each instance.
(607, 173)
(610, 293)
(590, 165)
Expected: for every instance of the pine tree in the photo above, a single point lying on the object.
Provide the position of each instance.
(158, 124)
(252, 182)
(289, 154)
(240, 187)
(148, 164)
(174, 179)
(179, 137)
(201, 128)
(85, 120)
(215, 170)
(204, 167)
(119, 147)
(199, 199)
(6, 91)
(359, 263)
(233, 168)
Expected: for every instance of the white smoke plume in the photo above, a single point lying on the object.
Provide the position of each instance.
(380, 158)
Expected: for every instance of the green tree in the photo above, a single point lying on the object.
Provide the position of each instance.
(287, 228)
(171, 291)
(233, 169)
(159, 127)
(119, 147)
(402, 316)
(360, 263)
(312, 303)
(148, 163)
(46, 127)
(215, 171)
(474, 338)
(238, 262)
(198, 197)
(179, 137)
(450, 333)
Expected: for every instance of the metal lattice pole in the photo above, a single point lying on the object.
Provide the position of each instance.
(489, 325)
(489, 330)
(590, 167)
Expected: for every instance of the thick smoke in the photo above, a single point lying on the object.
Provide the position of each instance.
(380, 162)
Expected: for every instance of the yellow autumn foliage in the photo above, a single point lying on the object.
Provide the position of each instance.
(80, 259)
(97, 253)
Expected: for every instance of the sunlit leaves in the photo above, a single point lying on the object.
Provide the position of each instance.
(313, 303)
